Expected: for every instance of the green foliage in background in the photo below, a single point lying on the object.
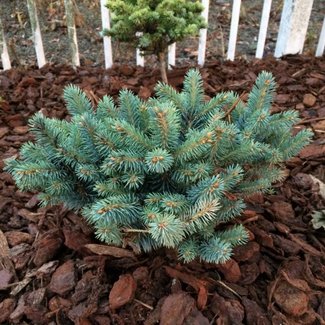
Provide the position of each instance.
(169, 172)
(153, 25)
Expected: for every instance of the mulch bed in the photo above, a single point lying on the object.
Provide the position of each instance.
(53, 271)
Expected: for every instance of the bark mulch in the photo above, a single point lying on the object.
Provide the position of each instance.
(53, 271)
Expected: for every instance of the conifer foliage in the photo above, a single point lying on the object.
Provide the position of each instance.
(153, 25)
(169, 172)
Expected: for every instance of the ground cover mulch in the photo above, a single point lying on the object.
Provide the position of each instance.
(53, 271)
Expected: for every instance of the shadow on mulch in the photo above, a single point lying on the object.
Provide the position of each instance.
(53, 271)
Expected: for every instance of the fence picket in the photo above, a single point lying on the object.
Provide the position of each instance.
(295, 17)
(37, 36)
(107, 39)
(203, 34)
(72, 33)
(233, 29)
(263, 28)
(4, 50)
(171, 55)
(139, 57)
(293, 27)
(321, 41)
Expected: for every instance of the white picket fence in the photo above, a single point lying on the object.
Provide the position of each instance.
(291, 36)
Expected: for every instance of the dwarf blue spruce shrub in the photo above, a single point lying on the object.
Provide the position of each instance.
(172, 171)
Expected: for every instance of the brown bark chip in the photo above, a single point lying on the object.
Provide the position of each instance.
(282, 210)
(313, 151)
(122, 292)
(75, 239)
(176, 308)
(290, 255)
(63, 279)
(290, 299)
(309, 100)
(47, 246)
(228, 311)
(247, 252)
(230, 270)
(17, 237)
(3, 131)
(254, 313)
(110, 250)
(7, 306)
(5, 279)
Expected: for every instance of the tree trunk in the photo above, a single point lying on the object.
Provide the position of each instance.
(162, 62)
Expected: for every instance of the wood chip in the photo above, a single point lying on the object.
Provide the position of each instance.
(4, 248)
(309, 100)
(110, 251)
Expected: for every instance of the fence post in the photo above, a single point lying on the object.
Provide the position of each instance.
(171, 55)
(203, 33)
(72, 33)
(263, 28)
(107, 39)
(233, 29)
(4, 50)
(293, 27)
(321, 41)
(37, 36)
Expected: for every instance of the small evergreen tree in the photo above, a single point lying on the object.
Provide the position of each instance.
(152, 25)
(169, 172)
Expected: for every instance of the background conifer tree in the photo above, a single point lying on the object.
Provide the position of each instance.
(169, 172)
(152, 25)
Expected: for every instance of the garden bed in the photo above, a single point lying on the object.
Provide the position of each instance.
(55, 272)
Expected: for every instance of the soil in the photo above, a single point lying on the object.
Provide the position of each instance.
(17, 29)
(53, 271)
